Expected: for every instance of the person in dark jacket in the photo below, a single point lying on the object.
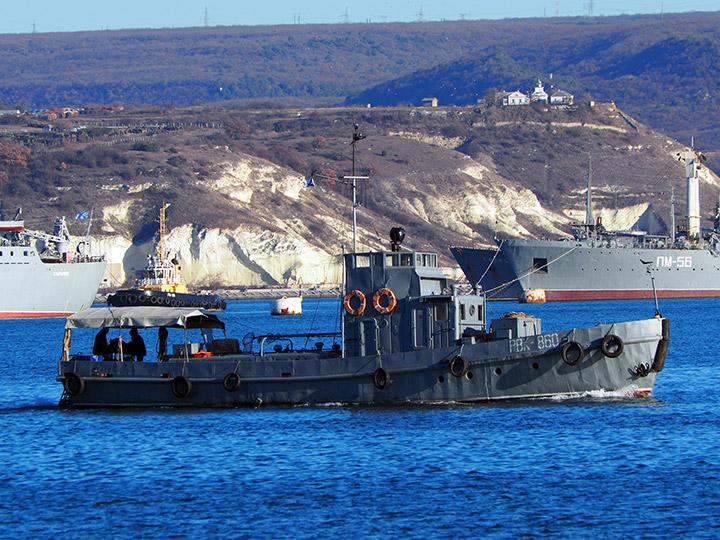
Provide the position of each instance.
(136, 346)
(100, 346)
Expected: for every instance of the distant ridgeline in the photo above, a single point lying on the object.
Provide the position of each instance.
(671, 83)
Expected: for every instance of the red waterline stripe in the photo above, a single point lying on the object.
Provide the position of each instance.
(33, 314)
(614, 294)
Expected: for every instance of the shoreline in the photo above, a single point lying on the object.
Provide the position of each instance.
(266, 294)
(254, 294)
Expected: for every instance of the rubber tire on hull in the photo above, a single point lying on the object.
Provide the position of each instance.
(231, 382)
(612, 346)
(74, 384)
(381, 378)
(181, 386)
(573, 353)
(459, 366)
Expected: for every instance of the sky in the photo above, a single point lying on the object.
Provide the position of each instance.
(26, 16)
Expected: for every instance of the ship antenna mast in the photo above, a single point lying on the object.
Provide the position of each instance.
(348, 181)
(357, 136)
(589, 219)
(672, 216)
(160, 249)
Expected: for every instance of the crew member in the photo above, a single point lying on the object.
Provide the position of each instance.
(136, 345)
(100, 346)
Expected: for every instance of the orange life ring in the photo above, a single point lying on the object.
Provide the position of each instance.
(348, 298)
(392, 300)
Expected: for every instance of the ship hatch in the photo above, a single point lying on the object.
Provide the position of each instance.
(540, 265)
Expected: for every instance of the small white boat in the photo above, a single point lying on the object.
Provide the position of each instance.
(287, 306)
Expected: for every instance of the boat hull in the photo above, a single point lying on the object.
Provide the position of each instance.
(32, 288)
(522, 368)
(140, 297)
(567, 270)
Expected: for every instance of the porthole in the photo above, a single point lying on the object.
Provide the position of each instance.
(441, 379)
(498, 371)
(535, 365)
(469, 375)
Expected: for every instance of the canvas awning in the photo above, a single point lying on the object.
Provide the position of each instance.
(143, 317)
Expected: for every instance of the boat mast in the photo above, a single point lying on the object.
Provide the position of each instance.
(160, 248)
(672, 216)
(589, 219)
(348, 181)
(357, 136)
(87, 234)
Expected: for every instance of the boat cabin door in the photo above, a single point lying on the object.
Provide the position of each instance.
(421, 328)
(368, 337)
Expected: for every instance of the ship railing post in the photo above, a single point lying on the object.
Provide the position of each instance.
(120, 347)
(66, 346)
(343, 293)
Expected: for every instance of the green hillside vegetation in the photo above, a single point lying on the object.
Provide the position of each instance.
(662, 71)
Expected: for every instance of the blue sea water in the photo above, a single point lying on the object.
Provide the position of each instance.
(585, 468)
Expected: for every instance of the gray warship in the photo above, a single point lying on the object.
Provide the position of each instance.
(596, 264)
(43, 275)
(406, 336)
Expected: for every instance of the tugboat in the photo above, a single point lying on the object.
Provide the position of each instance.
(162, 284)
(406, 337)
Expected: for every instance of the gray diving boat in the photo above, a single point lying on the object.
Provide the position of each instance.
(406, 337)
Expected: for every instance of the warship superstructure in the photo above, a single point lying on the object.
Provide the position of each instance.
(43, 275)
(597, 264)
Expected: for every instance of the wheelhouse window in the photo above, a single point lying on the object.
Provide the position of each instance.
(391, 259)
(362, 261)
(426, 259)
